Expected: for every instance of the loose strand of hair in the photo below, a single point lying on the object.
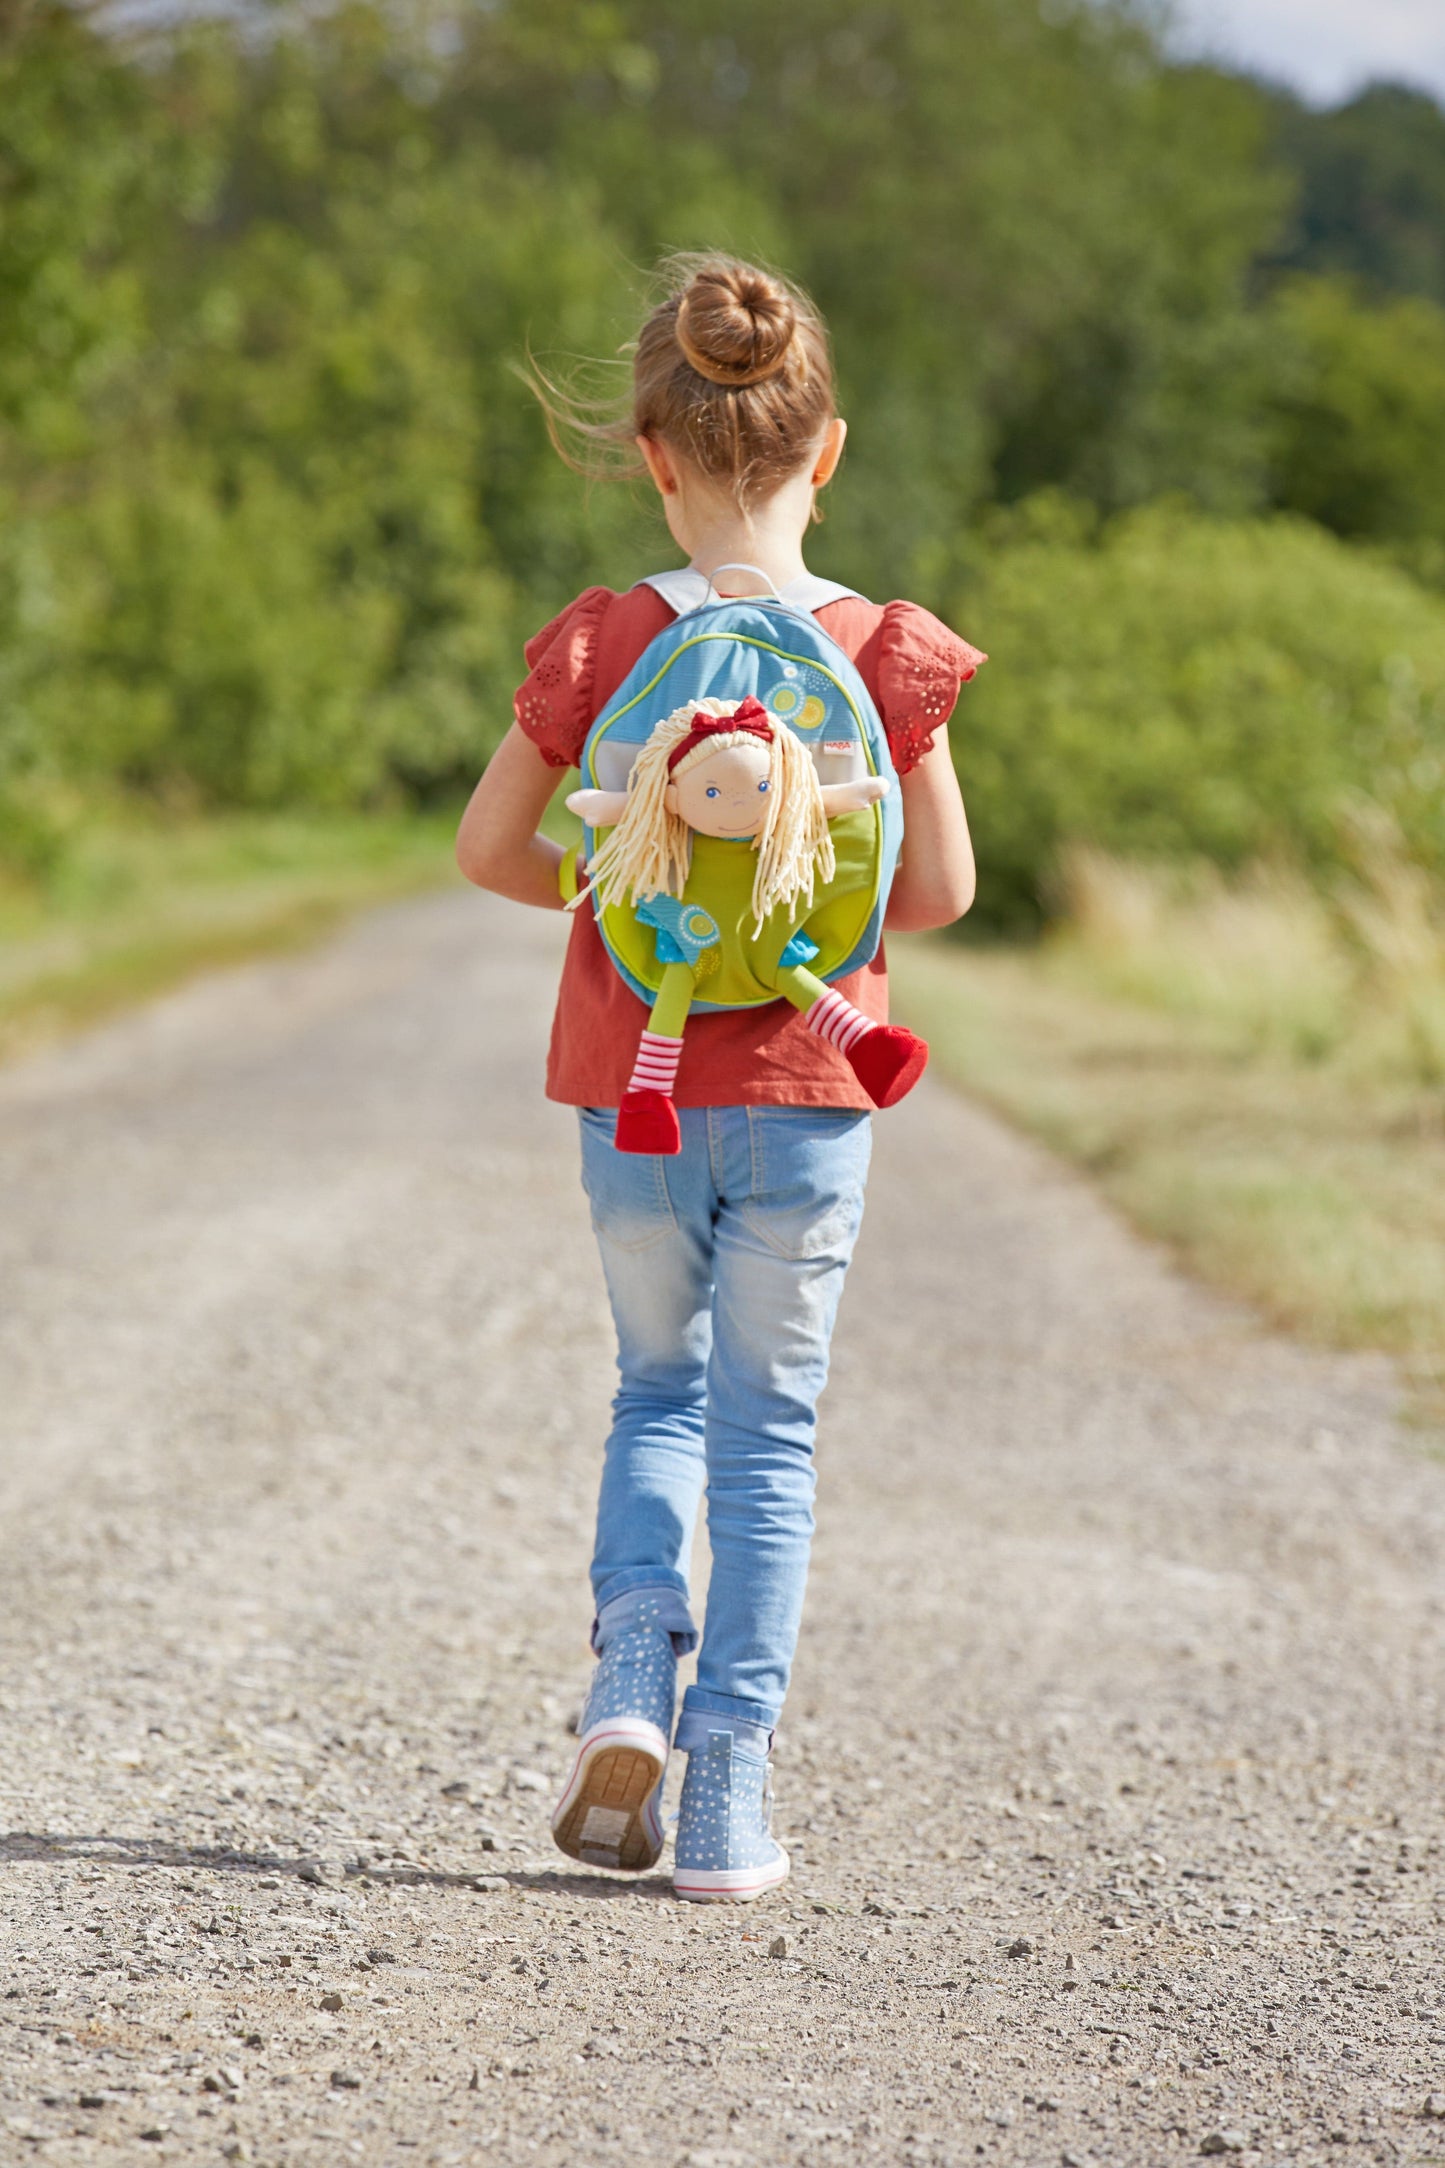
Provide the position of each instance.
(601, 426)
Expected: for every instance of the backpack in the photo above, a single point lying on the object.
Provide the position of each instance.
(774, 648)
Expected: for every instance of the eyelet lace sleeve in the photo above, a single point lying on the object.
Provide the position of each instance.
(554, 703)
(921, 665)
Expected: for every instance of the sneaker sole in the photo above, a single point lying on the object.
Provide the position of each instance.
(730, 1885)
(606, 1816)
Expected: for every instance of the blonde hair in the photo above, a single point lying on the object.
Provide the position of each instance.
(649, 852)
(731, 369)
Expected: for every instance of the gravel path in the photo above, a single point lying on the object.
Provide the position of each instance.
(1112, 1771)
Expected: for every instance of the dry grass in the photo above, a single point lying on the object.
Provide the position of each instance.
(1254, 1073)
(1354, 978)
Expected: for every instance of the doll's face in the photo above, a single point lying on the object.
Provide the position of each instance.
(725, 793)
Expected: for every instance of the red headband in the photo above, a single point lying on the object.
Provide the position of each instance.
(751, 716)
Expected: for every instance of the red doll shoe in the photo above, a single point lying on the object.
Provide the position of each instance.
(888, 1061)
(647, 1122)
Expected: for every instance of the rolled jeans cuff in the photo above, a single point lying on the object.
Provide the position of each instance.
(750, 1724)
(626, 1596)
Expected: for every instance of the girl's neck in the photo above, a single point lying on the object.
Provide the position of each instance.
(770, 537)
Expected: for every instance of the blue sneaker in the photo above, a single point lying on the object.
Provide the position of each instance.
(726, 1852)
(610, 1814)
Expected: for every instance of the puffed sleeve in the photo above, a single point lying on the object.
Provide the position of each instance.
(921, 665)
(554, 704)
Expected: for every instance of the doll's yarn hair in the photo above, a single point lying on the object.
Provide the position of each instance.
(649, 852)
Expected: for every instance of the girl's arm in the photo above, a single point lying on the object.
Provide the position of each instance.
(934, 883)
(497, 844)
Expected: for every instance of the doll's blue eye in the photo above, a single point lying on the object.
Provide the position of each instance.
(712, 790)
(764, 784)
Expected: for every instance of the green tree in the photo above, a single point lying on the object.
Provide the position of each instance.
(1370, 190)
(276, 513)
(290, 514)
(1358, 412)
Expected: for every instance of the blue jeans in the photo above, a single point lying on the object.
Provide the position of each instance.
(724, 1266)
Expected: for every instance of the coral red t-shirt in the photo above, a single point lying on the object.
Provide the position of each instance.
(912, 665)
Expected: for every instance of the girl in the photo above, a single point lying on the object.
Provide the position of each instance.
(724, 1263)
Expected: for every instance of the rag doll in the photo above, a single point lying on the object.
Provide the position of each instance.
(724, 822)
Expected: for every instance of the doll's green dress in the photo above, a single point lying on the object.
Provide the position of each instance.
(701, 946)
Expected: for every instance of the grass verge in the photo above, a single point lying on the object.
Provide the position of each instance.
(138, 908)
(1312, 1188)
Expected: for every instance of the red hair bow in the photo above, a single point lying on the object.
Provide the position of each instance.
(750, 716)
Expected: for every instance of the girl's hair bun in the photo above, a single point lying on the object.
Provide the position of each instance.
(735, 325)
(731, 368)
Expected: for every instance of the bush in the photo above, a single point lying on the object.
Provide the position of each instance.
(1173, 686)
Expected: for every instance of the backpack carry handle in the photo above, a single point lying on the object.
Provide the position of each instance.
(711, 578)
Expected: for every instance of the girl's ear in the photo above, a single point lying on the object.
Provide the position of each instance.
(660, 465)
(826, 464)
(670, 799)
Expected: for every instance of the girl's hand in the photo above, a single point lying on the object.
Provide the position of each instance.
(934, 883)
(852, 797)
(599, 808)
(497, 844)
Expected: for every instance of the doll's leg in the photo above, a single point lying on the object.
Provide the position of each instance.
(647, 1118)
(674, 999)
(797, 984)
(887, 1059)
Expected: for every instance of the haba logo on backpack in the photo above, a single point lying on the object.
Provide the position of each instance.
(742, 822)
(773, 650)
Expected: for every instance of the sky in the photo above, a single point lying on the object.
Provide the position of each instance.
(1324, 49)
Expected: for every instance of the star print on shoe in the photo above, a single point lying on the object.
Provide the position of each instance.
(609, 1814)
(726, 1851)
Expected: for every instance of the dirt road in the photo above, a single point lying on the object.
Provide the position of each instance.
(1112, 1771)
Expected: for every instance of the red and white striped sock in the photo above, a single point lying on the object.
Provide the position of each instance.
(836, 1019)
(656, 1067)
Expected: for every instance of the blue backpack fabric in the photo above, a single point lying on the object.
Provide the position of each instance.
(773, 648)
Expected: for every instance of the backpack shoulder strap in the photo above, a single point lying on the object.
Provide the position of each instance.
(684, 590)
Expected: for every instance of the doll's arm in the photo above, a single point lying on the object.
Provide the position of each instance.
(599, 808)
(850, 797)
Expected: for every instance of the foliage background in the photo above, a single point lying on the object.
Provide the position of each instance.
(1145, 366)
